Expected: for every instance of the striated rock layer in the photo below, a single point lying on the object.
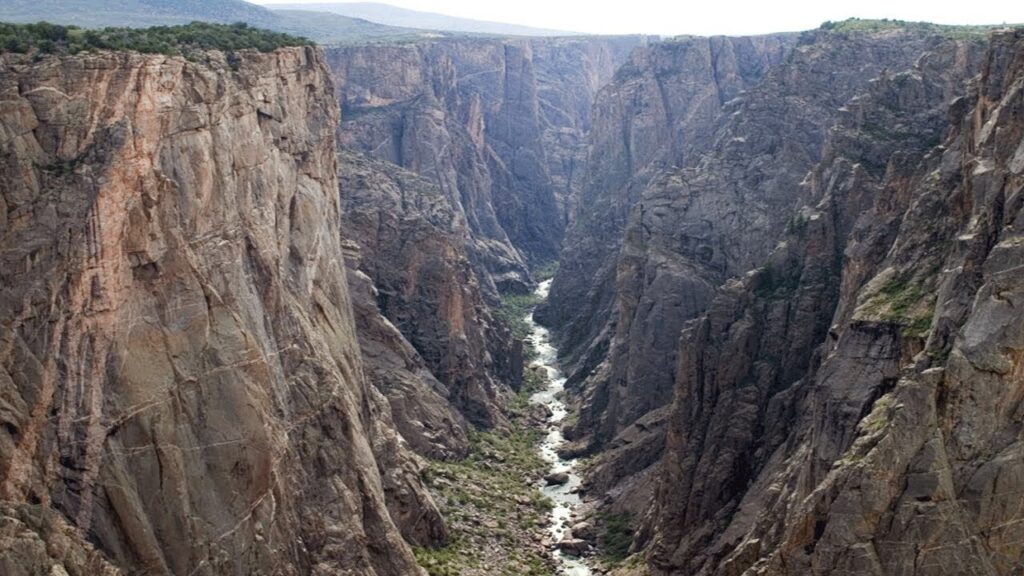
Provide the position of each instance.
(661, 111)
(181, 379)
(497, 125)
(852, 406)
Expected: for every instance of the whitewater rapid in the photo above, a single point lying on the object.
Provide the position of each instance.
(565, 497)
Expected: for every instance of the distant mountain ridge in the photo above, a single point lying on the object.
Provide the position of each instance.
(327, 28)
(403, 17)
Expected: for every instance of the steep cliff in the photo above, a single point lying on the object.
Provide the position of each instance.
(851, 405)
(497, 125)
(709, 208)
(662, 103)
(660, 111)
(181, 376)
(414, 249)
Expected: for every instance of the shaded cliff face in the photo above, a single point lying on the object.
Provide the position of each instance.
(661, 106)
(661, 110)
(713, 213)
(36, 539)
(746, 367)
(414, 249)
(497, 125)
(938, 449)
(181, 375)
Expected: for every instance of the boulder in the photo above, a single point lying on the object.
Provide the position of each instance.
(557, 479)
(574, 546)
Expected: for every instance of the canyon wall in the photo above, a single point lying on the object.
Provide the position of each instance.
(809, 361)
(182, 379)
(662, 103)
(709, 204)
(413, 248)
(498, 126)
(903, 456)
(787, 349)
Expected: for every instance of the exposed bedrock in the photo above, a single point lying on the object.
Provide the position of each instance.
(848, 406)
(413, 248)
(498, 126)
(704, 202)
(181, 377)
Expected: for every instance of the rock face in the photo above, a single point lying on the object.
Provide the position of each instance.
(419, 401)
(414, 249)
(662, 103)
(181, 379)
(497, 125)
(659, 111)
(714, 195)
(36, 539)
(850, 406)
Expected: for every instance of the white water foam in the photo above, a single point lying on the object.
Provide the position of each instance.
(565, 497)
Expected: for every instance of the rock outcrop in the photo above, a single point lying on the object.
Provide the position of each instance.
(413, 248)
(707, 207)
(498, 126)
(181, 379)
(661, 107)
(36, 539)
(850, 406)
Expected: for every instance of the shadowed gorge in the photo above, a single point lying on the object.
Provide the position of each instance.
(454, 303)
(499, 126)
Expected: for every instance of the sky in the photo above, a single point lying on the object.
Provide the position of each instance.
(708, 17)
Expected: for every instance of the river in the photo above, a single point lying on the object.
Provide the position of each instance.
(565, 497)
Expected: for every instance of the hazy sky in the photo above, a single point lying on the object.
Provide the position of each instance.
(705, 17)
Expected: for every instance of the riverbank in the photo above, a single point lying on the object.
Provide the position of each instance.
(495, 513)
(563, 481)
(504, 517)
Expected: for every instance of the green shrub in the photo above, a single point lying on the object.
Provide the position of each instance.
(491, 505)
(858, 25)
(46, 38)
(904, 302)
(514, 310)
(617, 536)
(545, 271)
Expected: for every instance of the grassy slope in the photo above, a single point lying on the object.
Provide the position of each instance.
(493, 508)
(854, 25)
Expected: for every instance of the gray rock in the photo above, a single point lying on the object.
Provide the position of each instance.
(574, 546)
(584, 531)
(511, 115)
(835, 359)
(556, 479)
(413, 248)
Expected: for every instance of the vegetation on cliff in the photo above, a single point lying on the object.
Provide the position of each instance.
(47, 38)
(493, 508)
(514, 309)
(905, 302)
(853, 25)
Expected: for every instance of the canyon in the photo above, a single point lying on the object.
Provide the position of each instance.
(515, 305)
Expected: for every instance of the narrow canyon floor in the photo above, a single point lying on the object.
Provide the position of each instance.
(564, 487)
(513, 504)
